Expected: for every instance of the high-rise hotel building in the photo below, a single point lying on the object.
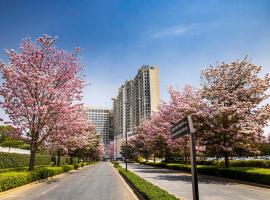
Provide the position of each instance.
(101, 118)
(136, 99)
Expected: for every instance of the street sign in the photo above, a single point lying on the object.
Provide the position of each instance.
(181, 128)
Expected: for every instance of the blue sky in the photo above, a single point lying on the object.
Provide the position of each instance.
(117, 37)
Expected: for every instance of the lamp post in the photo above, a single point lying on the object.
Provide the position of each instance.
(116, 147)
(126, 152)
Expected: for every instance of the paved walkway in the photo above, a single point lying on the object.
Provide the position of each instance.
(179, 184)
(96, 182)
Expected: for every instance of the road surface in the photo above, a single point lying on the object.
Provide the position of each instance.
(179, 184)
(96, 182)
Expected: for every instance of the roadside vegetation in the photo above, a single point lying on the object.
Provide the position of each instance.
(146, 189)
(12, 179)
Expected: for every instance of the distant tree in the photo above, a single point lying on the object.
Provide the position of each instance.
(40, 84)
(6, 140)
(111, 147)
(71, 133)
(234, 117)
(131, 151)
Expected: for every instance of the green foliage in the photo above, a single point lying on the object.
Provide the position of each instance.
(14, 179)
(67, 168)
(250, 174)
(235, 163)
(7, 141)
(115, 164)
(146, 189)
(76, 165)
(14, 160)
(246, 163)
(265, 148)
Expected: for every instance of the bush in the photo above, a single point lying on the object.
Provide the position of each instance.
(76, 165)
(115, 164)
(14, 160)
(246, 163)
(234, 163)
(10, 180)
(67, 168)
(146, 189)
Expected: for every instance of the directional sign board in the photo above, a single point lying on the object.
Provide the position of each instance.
(181, 128)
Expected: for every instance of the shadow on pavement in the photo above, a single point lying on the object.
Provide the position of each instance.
(187, 179)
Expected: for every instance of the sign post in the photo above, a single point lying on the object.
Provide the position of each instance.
(185, 127)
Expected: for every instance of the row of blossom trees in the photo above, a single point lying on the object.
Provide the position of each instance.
(228, 111)
(41, 93)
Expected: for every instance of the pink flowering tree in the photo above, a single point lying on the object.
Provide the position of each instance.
(40, 84)
(141, 143)
(236, 116)
(132, 151)
(94, 148)
(158, 128)
(111, 147)
(71, 133)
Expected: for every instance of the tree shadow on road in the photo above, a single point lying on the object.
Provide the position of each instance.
(188, 179)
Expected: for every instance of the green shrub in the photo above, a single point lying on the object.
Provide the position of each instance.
(76, 165)
(67, 168)
(146, 189)
(115, 164)
(246, 163)
(233, 163)
(14, 179)
(14, 160)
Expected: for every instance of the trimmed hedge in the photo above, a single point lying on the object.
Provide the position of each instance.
(250, 174)
(67, 168)
(14, 160)
(246, 163)
(145, 188)
(9, 180)
(236, 163)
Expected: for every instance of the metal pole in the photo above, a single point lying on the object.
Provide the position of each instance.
(116, 147)
(195, 189)
(126, 151)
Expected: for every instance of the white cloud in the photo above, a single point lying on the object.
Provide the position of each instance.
(171, 31)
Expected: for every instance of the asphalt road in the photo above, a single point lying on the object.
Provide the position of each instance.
(179, 184)
(96, 182)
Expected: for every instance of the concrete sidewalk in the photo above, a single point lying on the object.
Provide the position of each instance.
(179, 184)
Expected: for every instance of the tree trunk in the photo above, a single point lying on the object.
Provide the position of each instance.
(33, 150)
(186, 155)
(227, 163)
(58, 158)
(154, 158)
(146, 158)
(71, 159)
(78, 159)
